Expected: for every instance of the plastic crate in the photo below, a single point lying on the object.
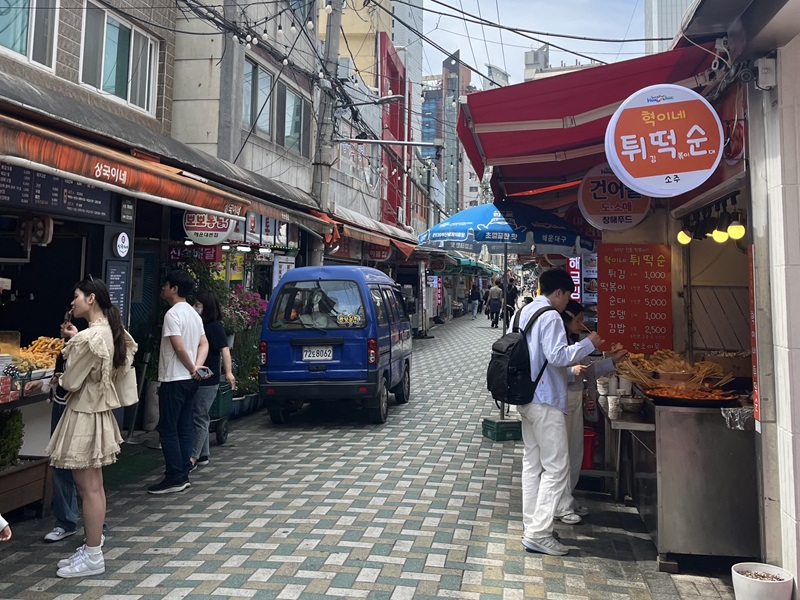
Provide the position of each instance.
(221, 407)
(502, 431)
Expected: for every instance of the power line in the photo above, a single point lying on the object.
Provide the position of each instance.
(430, 41)
(502, 46)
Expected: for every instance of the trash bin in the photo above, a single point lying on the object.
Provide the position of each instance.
(588, 450)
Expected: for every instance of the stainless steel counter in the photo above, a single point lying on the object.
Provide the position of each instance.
(694, 483)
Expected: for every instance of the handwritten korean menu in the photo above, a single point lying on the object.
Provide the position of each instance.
(634, 299)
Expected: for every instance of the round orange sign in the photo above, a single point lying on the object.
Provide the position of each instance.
(608, 204)
(664, 140)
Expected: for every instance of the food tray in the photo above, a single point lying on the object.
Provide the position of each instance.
(38, 373)
(724, 402)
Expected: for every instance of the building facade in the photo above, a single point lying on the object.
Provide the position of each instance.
(662, 19)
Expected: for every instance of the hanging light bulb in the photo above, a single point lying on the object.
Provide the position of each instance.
(280, 30)
(293, 29)
(285, 61)
(736, 230)
(255, 40)
(247, 45)
(310, 25)
(328, 7)
(236, 39)
(265, 35)
(685, 234)
(249, 38)
(720, 233)
(321, 75)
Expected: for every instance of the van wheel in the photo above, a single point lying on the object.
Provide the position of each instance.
(379, 411)
(278, 415)
(402, 392)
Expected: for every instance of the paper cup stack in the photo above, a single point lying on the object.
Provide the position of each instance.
(613, 403)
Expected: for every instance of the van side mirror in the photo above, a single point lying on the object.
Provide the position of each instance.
(411, 306)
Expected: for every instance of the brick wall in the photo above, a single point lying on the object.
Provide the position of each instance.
(156, 22)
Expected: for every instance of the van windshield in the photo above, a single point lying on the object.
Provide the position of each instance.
(319, 304)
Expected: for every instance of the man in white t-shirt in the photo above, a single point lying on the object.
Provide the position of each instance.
(184, 348)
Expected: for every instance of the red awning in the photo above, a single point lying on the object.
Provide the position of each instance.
(549, 131)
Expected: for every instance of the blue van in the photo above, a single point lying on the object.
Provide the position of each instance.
(335, 333)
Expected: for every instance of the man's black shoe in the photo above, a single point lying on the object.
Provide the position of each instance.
(169, 487)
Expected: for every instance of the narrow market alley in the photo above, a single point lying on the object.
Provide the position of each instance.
(329, 506)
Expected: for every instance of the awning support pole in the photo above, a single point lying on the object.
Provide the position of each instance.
(505, 310)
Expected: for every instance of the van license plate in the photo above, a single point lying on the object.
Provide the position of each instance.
(317, 352)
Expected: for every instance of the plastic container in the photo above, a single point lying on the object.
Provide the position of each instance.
(588, 450)
(612, 385)
(503, 430)
(747, 588)
(613, 403)
(625, 387)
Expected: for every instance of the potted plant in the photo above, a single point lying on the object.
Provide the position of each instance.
(243, 310)
(246, 358)
(756, 581)
(23, 479)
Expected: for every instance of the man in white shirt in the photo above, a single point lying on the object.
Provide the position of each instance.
(545, 462)
(183, 350)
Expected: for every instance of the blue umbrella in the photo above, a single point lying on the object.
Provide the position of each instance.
(508, 227)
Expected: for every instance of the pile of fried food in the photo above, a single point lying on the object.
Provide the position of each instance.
(690, 394)
(645, 372)
(41, 354)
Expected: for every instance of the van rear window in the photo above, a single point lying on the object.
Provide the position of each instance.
(318, 304)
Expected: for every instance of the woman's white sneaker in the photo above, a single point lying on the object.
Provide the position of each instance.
(82, 564)
(64, 562)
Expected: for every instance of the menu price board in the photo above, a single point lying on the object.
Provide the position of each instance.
(33, 190)
(118, 275)
(634, 300)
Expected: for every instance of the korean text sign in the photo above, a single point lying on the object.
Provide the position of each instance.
(607, 204)
(634, 299)
(664, 140)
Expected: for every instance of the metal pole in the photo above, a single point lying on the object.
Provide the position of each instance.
(503, 316)
(326, 152)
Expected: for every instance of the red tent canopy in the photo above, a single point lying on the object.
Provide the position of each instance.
(549, 131)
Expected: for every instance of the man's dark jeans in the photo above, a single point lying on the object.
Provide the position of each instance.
(175, 405)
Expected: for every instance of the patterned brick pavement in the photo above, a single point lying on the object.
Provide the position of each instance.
(331, 507)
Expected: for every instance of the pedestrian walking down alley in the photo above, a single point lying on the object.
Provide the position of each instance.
(329, 506)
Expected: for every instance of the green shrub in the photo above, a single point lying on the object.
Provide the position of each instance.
(12, 430)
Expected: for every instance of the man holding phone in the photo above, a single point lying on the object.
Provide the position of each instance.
(184, 348)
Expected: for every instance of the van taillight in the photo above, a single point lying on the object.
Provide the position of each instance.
(262, 350)
(372, 352)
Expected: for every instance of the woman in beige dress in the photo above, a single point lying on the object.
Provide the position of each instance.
(87, 437)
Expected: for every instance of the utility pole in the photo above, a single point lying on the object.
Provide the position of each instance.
(324, 153)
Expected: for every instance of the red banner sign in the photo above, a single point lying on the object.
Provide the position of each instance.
(634, 299)
(574, 269)
(378, 253)
(753, 338)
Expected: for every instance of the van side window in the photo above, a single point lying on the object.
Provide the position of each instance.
(380, 306)
(401, 305)
(391, 304)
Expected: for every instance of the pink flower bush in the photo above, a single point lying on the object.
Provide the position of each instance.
(244, 310)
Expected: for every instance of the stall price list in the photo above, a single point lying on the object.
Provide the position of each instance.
(32, 189)
(634, 300)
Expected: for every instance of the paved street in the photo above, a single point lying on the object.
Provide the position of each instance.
(331, 507)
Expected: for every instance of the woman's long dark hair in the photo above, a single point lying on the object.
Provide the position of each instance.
(572, 310)
(212, 311)
(90, 285)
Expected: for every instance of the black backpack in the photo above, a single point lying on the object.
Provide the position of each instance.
(508, 377)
